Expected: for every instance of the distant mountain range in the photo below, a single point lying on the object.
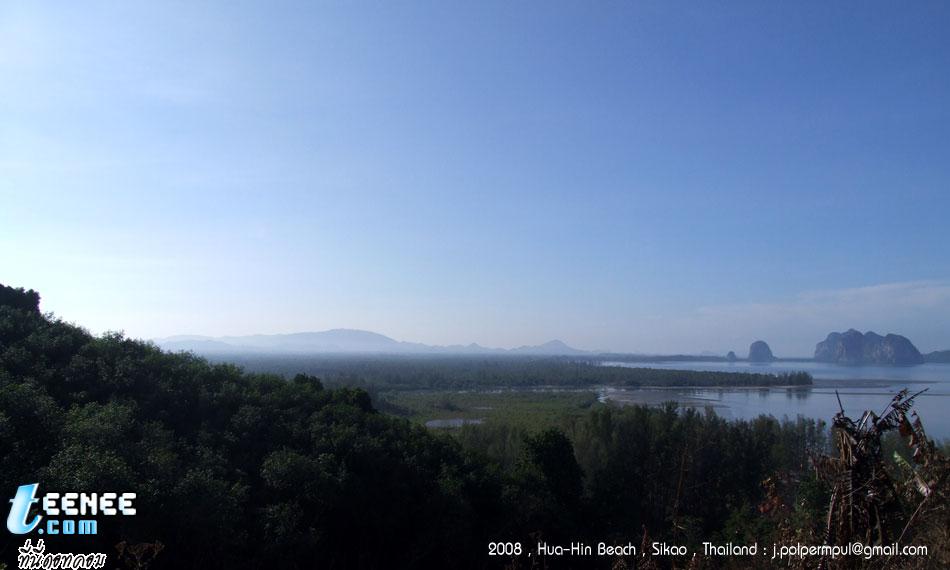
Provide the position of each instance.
(343, 341)
(850, 347)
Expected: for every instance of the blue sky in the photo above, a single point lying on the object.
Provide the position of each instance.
(649, 177)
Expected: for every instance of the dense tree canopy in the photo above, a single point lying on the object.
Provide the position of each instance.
(231, 469)
(253, 470)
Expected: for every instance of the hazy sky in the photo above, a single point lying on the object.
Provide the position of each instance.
(621, 175)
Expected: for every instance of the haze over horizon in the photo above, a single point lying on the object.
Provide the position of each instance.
(618, 177)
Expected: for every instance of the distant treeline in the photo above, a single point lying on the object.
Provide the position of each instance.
(477, 372)
(625, 357)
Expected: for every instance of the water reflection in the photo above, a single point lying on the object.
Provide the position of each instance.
(861, 388)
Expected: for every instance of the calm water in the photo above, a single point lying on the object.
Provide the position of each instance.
(861, 388)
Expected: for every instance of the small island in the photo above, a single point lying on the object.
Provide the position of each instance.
(938, 356)
(759, 351)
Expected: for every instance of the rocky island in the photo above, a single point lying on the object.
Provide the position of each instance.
(939, 356)
(759, 351)
(853, 348)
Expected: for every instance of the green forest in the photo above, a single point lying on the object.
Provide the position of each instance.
(241, 469)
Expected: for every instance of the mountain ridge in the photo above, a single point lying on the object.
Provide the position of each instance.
(854, 348)
(342, 340)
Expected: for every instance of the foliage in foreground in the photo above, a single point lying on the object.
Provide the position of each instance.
(236, 470)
